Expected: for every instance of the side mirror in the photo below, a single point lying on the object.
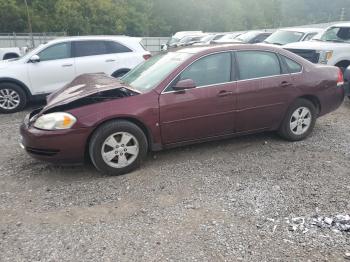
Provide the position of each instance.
(184, 84)
(347, 74)
(34, 59)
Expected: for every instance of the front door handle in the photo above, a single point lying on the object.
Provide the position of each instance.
(67, 65)
(110, 60)
(224, 93)
(286, 84)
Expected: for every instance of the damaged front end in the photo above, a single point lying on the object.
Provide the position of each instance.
(93, 99)
(86, 90)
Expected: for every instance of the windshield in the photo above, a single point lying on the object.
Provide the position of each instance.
(284, 37)
(150, 73)
(247, 36)
(337, 34)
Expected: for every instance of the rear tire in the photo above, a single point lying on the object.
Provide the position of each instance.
(12, 98)
(299, 121)
(118, 147)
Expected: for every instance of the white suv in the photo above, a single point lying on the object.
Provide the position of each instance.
(332, 47)
(51, 66)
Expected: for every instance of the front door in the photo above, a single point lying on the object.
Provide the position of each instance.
(55, 69)
(205, 111)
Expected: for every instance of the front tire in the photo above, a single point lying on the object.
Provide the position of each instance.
(118, 147)
(12, 98)
(299, 121)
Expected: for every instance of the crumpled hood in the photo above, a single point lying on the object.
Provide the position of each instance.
(83, 86)
(316, 45)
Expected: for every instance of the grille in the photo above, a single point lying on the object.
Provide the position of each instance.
(41, 152)
(310, 55)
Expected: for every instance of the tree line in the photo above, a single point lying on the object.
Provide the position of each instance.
(164, 17)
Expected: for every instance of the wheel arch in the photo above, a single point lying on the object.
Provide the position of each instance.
(343, 63)
(4, 80)
(11, 54)
(121, 70)
(133, 120)
(313, 99)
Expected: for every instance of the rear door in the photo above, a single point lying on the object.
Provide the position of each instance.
(205, 111)
(264, 89)
(98, 56)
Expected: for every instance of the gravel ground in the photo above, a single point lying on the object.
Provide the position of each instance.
(222, 201)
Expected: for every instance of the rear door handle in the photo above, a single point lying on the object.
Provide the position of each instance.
(67, 65)
(110, 60)
(224, 93)
(286, 84)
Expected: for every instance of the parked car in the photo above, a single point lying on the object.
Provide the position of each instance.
(291, 35)
(189, 40)
(228, 38)
(10, 53)
(253, 37)
(208, 39)
(187, 96)
(332, 47)
(176, 38)
(53, 65)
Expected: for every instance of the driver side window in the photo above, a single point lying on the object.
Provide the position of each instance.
(209, 70)
(55, 52)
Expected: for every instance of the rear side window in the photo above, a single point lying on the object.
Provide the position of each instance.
(209, 70)
(256, 64)
(293, 66)
(90, 48)
(114, 48)
(55, 52)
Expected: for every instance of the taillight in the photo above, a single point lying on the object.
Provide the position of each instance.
(148, 56)
(340, 80)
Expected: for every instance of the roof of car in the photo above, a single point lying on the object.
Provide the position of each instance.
(92, 37)
(345, 24)
(223, 47)
(302, 29)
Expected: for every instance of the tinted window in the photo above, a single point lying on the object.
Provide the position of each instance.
(59, 51)
(255, 64)
(209, 70)
(293, 66)
(114, 47)
(90, 48)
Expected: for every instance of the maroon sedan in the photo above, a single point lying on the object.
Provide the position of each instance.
(182, 97)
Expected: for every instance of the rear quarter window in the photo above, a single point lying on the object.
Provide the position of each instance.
(114, 48)
(293, 67)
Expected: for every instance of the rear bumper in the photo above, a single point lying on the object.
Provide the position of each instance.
(332, 99)
(63, 146)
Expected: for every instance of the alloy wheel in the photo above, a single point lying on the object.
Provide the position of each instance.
(120, 150)
(300, 121)
(9, 99)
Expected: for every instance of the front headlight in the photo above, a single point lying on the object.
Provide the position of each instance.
(55, 121)
(325, 56)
